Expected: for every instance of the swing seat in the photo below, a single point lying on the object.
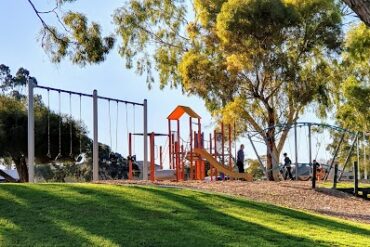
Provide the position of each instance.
(80, 159)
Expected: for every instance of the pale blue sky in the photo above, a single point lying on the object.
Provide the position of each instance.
(19, 48)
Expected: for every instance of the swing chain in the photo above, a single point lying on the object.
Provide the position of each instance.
(70, 127)
(48, 120)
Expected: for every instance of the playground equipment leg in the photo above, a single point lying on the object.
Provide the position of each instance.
(296, 150)
(191, 148)
(130, 153)
(310, 157)
(145, 162)
(177, 158)
(31, 132)
(335, 178)
(334, 156)
(95, 141)
(355, 171)
(349, 156)
(152, 157)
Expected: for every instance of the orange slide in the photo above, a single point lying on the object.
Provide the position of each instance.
(221, 168)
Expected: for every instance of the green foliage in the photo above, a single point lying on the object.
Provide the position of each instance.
(109, 215)
(354, 94)
(254, 169)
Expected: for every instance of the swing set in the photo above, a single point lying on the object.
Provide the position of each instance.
(81, 157)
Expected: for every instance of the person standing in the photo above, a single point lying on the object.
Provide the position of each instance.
(240, 159)
(288, 167)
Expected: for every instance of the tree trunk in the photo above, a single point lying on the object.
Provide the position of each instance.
(361, 8)
(20, 164)
(272, 156)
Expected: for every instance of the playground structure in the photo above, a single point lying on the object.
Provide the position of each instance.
(328, 169)
(95, 150)
(189, 158)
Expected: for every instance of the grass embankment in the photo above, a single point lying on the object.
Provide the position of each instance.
(107, 215)
(344, 185)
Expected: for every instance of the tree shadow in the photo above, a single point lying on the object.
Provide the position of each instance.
(75, 214)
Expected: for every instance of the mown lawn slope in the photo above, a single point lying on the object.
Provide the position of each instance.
(109, 215)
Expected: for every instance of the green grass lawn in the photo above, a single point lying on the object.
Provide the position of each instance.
(106, 215)
(343, 185)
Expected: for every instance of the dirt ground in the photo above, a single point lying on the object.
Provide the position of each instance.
(292, 194)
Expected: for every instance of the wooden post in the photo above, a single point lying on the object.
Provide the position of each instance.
(152, 157)
(130, 155)
(355, 171)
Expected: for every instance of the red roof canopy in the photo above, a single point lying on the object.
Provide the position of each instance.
(180, 110)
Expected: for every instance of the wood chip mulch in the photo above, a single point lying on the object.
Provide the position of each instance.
(292, 194)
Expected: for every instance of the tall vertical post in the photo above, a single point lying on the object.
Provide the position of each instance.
(310, 157)
(130, 155)
(296, 150)
(223, 143)
(160, 157)
(191, 148)
(358, 155)
(335, 178)
(199, 174)
(31, 132)
(177, 159)
(145, 162)
(210, 151)
(169, 143)
(230, 153)
(355, 171)
(365, 158)
(152, 157)
(173, 151)
(95, 137)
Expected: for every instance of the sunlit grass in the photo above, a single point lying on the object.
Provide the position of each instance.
(107, 215)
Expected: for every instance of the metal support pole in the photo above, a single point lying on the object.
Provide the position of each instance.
(191, 165)
(310, 157)
(95, 137)
(31, 132)
(160, 157)
(130, 155)
(169, 143)
(355, 171)
(145, 136)
(230, 151)
(365, 159)
(296, 150)
(358, 156)
(152, 157)
(223, 144)
(334, 157)
(335, 178)
(348, 157)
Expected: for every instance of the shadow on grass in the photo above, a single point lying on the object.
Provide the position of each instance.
(75, 215)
